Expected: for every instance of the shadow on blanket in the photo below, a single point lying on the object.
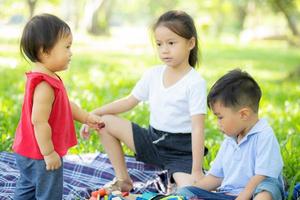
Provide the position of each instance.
(81, 177)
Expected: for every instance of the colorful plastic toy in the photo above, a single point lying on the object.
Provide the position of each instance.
(96, 195)
(101, 193)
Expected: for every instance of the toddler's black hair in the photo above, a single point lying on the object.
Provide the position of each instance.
(41, 33)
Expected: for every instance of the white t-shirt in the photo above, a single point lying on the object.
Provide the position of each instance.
(171, 108)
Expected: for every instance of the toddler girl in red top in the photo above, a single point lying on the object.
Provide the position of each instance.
(46, 130)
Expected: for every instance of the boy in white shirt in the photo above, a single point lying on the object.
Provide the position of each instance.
(248, 164)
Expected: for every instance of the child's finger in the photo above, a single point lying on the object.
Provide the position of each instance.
(86, 128)
(85, 135)
(101, 125)
(84, 132)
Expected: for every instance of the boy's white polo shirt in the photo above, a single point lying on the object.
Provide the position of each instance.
(171, 108)
(258, 153)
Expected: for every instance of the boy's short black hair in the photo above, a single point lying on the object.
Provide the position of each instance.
(235, 89)
(41, 33)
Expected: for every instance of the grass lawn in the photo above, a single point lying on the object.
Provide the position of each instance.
(99, 75)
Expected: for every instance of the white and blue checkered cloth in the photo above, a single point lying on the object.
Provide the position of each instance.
(81, 178)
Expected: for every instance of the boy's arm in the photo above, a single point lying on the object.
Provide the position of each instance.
(251, 185)
(197, 145)
(118, 106)
(209, 182)
(43, 98)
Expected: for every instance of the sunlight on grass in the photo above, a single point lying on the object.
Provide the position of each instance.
(8, 62)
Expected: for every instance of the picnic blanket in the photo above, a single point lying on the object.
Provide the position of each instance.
(84, 175)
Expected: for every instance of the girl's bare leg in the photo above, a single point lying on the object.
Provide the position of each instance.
(117, 130)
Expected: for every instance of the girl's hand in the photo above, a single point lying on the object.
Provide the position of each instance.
(52, 161)
(85, 132)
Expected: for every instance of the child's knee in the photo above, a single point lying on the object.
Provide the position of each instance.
(107, 118)
(263, 195)
(108, 121)
(269, 188)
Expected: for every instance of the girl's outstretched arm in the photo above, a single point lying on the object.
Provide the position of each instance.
(118, 106)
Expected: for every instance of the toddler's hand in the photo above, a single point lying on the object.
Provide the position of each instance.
(52, 161)
(85, 132)
(95, 122)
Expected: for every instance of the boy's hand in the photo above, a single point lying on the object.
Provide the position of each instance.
(243, 196)
(52, 161)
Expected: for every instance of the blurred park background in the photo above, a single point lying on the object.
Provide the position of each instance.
(113, 47)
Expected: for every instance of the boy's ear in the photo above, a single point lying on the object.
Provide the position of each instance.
(245, 113)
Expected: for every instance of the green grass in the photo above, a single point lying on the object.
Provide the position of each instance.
(99, 77)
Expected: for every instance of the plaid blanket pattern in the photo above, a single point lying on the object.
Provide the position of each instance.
(80, 179)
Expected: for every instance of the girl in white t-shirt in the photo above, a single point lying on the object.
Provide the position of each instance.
(177, 97)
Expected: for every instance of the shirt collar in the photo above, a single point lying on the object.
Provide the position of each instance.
(260, 125)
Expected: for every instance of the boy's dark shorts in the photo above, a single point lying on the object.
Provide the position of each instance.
(169, 151)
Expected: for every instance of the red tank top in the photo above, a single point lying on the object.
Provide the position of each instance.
(60, 119)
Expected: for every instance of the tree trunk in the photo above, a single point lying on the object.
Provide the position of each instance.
(292, 23)
(289, 17)
(241, 15)
(31, 4)
(219, 20)
(98, 14)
